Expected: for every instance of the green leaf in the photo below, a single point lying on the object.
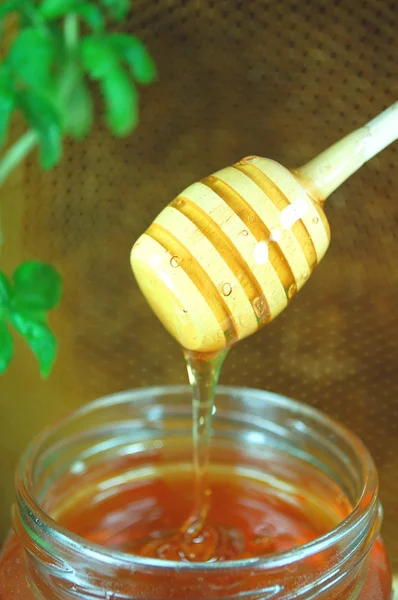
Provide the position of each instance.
(6, 347)
(7, 102)
(7, 7)
(92, 16)
(117, 9)
(39, 338)
(121, 100)
(98, 57)
(80, 111)
(5, 290)
(37, 287)
(133, 51)
(54, 9)
(5, 118)
(43, 116)
(31, 57)
(6, 109)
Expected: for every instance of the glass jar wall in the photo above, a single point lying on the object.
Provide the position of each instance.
(85, 487)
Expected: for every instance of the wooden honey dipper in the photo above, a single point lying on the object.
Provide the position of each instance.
(231, 251)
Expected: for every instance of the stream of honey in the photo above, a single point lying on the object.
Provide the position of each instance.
(208, 513)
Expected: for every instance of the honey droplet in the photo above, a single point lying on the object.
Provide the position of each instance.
(259, 306)
(175, 261)
(245, 232)
(226, 289)
(244, 321)
(292, 291)
(315, 220)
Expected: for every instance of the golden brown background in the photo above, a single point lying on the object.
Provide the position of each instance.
(278, 79)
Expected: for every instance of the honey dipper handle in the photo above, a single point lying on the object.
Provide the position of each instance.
(325, 173)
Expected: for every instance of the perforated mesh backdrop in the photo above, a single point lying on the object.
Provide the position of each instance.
(282, 80)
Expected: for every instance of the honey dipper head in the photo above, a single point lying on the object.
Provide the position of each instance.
(229, 253)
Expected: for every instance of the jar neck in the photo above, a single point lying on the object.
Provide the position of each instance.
(60, 565)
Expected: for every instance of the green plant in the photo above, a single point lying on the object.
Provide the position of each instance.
(57, 48)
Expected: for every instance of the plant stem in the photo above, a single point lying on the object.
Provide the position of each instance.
(14, 156)
(17, 153)
(70, 73)
(71, 32)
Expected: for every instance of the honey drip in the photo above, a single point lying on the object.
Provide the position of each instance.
(197, 540)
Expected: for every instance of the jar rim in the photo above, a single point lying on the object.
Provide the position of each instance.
(367, 499)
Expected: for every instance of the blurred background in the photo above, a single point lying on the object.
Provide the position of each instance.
(281, 80)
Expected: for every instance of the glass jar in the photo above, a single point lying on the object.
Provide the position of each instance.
(107, 442)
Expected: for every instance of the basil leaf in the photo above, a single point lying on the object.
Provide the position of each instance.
(8, 6)
(92, 16)
(6, 347)
(98, 57)
(7, 102)
(121, 100)
(39, 338)
(53, 9)
(79, 111)
(6, 109)
(43, 116)
(5, 290)
(138, 59)
(37, 287)
(31, 57)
